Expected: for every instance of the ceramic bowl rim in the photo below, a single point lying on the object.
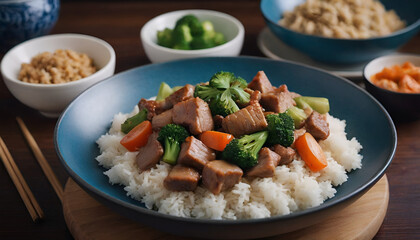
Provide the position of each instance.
(146, 38)
(227, 222)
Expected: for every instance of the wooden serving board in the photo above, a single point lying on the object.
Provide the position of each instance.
(88, 219)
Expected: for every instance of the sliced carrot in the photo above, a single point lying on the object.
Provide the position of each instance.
(216, 140)
(137, 137)
(310, 151)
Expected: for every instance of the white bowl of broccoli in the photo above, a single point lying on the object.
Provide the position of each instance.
(190, 34)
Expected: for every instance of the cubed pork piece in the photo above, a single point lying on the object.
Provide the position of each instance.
(247, 120)
(287, 154)
(277, 101)
(195, 154)
(267, 163)
(153, 108)
(261, 83)
(217, 119)
(162, 120)
(255, 96)
(150, 154)
(283, 88)
(181, 178)
(316, 124)
(180, 95)
(194, 114)
(219, 175)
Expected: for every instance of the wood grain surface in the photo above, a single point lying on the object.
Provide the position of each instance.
(88, 219)
(119, 23)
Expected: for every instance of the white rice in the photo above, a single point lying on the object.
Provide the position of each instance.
(293, 187)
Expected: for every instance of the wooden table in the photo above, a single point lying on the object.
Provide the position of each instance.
(119, 24)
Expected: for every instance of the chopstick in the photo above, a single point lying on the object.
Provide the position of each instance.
(25, 193)
(52, 178)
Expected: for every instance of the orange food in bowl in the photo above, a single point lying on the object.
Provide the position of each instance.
(403, 78)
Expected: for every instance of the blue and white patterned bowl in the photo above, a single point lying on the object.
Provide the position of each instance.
(21, 20)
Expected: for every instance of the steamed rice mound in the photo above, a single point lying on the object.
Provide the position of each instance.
(294, 187)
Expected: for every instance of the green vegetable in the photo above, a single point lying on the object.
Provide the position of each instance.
(172, 136)
(223, 93)
(202, 42)
(223, 104)
(244, 151)
(190, 33)
(219, 39)
(164, 38)
(133, 121)
(318, 104)
(182, 37)
(164, 91)
(193, 23)
(208, 29)
(280, 129)
(298, 115)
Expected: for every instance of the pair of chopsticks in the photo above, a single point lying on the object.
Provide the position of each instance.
(28, 198)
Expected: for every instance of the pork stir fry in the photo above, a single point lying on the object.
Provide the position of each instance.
(216, 133)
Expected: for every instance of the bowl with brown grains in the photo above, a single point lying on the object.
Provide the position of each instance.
(47, 73)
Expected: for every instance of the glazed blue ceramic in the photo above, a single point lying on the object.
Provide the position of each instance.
(21, 20)
(343, 51)
(89, 116)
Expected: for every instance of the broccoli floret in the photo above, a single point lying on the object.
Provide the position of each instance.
(190, 33)
(206, 92)
(280, 129)
(193, 23)
(208, 29)
(244, 151)
(133, 121)
(298, 115)
(164, 38)
(223, 93)
(182, 37)
(222, 80)
(219, 39)
(202, 42)
(236, 85)
(223, 104)
(172, 136)
(239, 82)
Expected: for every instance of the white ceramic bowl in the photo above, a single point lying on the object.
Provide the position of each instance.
(52, 99)
(231, 27)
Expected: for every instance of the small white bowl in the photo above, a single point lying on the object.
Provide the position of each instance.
(52, 99)
(232, 29)
(401, 106)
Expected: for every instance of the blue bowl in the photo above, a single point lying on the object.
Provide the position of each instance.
(89, 116)
(21, 20)
(343, 51)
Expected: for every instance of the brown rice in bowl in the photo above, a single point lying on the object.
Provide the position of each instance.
(61, 66)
